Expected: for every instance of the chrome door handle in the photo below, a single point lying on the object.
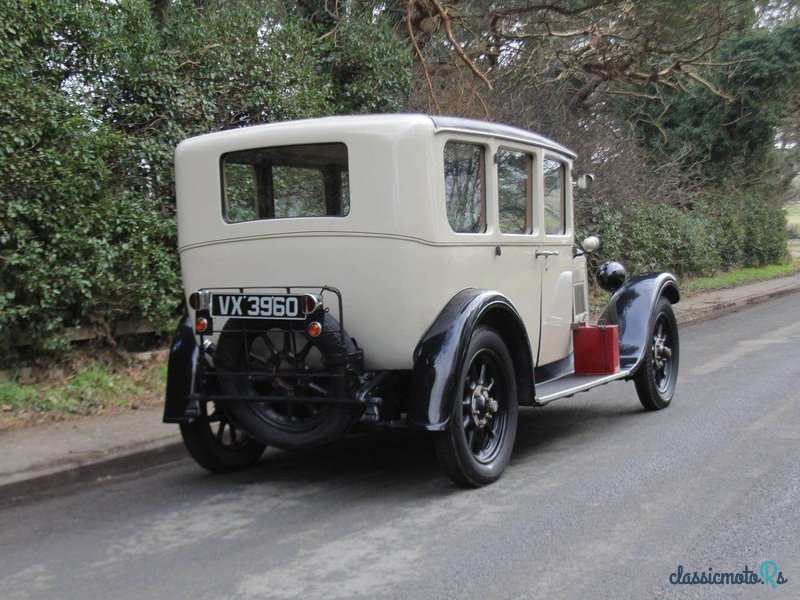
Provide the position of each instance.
(546, 253)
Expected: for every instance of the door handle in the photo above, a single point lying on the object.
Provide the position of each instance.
(546, 253)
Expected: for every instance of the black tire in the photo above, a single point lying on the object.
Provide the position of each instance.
(290, 426)
(657, 375)
(217, 445)
(476, 447)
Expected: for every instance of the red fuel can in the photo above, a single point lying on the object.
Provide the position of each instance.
(596, 349)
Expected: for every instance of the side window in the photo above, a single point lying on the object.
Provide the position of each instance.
(554, 222)
(464, 184)
(514, 176)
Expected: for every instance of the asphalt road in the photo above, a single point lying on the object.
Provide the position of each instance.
(601, 500)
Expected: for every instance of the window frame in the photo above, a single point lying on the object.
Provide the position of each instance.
(530, 230)
(564, 231)
(483, 220)
(258, 183)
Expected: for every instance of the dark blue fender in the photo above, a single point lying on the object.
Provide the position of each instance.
(631, 307)
(182, 371)
(440, 355)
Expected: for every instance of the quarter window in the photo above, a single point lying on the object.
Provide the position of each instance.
(309, 180)
(554, 223)
(514, 191)
(464, 187)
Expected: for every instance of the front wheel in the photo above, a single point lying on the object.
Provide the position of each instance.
(218, 445)
(657, 375)
(476, 447)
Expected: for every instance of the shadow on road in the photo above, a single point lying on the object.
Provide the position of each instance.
(400, 463)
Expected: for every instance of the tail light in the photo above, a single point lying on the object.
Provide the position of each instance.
(200, 300)
(310, 303)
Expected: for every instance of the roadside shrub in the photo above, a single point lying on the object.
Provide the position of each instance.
(752, 227)
(94, 96)
(653, 237)
(725, 230)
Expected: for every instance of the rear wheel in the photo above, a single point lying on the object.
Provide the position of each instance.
(657, 375)
(252, 348)
(476, 447)
(217, 445)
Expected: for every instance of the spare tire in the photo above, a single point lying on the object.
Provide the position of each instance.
(263, 347)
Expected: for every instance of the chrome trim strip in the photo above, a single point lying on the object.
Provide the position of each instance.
(547, 399)
(533, 141)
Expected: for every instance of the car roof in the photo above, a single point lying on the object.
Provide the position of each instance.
(497, 130)
(441, 124)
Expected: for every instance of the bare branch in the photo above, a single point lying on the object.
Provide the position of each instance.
(446, 21)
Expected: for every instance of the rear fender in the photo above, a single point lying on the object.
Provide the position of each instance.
(181, 404)
(442, 351)
(631, 307)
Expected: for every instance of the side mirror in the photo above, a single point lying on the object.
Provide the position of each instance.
(585, 181)
(590, 244)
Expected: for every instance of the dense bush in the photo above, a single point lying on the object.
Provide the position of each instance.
(734, 229)
(94, 96)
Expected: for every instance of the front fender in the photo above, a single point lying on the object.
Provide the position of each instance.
(182, 372)
(441, 352)
(631, 307)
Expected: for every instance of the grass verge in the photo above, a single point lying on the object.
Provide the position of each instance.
(97, 387)
(793, 213)
(737, 277)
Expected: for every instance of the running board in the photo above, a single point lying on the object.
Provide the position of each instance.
(571, 384)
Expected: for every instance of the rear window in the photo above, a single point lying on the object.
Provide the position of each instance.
(281, 182)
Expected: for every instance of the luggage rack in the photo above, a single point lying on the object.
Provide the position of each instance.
(339, 367)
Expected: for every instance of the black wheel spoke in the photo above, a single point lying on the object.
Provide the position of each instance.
(272, 349)
(233, 433)
(318, 388)
(476, 441)
(471, 437)
(287, 342)
(301, 356)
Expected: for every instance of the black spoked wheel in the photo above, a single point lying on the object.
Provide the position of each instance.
(218, 445)
(656, 377)
(263, 360)
(476, 447)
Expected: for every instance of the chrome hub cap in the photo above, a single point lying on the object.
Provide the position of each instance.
(483, 406)
(661, 352)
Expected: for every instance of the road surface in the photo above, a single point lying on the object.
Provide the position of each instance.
(601, 500)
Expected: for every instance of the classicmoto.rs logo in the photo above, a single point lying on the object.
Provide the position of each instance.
(767, 574)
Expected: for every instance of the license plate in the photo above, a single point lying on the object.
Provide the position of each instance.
(257, 306)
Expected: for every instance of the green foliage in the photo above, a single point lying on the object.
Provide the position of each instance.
(94, 387)
(94, 96)
(653, 237)
(368, 65)
(732, 129)
(728, 230)
(737, 277)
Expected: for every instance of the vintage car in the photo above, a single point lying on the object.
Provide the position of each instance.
(393, 270)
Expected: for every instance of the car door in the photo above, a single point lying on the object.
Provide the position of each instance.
(554, 262)
(519, 227)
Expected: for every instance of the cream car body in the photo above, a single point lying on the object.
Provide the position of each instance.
(394, 257)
